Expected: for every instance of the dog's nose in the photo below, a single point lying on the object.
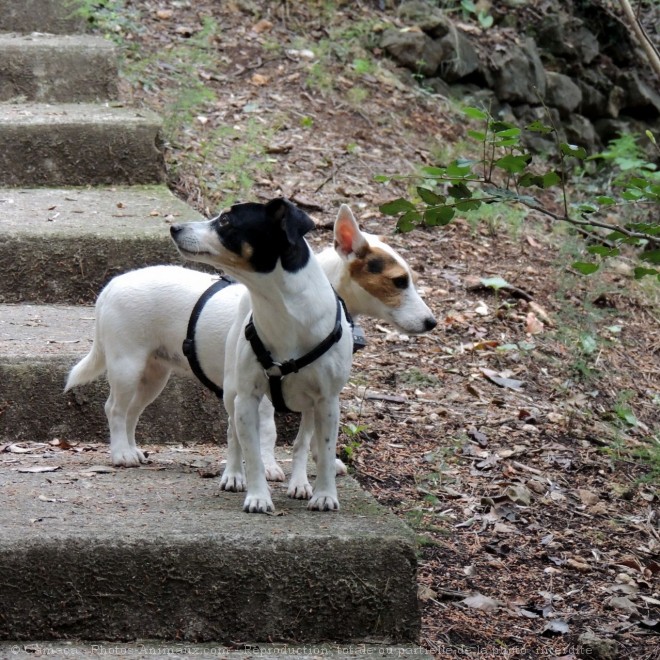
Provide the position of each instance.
(429, 323)
(175, 229)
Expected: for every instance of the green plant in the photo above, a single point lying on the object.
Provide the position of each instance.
(111, 17)
(350, 447)
(505, 172)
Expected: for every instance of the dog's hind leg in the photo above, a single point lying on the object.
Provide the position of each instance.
(299, 486)
(326, 428)
(151, 384)
(124, 381)
(267, 439)
(233, 477)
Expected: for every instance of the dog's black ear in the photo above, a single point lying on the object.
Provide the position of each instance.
(294, 222)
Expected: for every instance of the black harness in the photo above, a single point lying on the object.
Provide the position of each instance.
(189, 349)
(275, 371)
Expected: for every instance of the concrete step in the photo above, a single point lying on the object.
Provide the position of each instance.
(63, 245)
(50, 68)
(165, 650)
(38, 346)
(160, 553)
(55, 16)
(79, 145)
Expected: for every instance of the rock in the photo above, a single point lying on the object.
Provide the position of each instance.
(425, 16)
(414, 50)
(536, 142)
(562, 93)
(460, 59)
(597, 648)
(609, 129)
(639, 99)
(517, 74)
(579, 130)
(594, 102)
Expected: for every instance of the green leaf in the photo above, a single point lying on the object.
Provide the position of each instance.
(381, 178)
(477, 135)
(588, 343)
(469, 5)
(439, 216)
(587, 208)
(551, 179)
(509, 132)
(627, 415)
(475, 113)
(468, 205)
(650, 136)
(459, 191)
(408, 221)
(429, 197)
(433, 171)
(497, 126)
(640, 272)
(456, 170)
(396, 206)
(528, 179)
(495, 283)
(605, 201)
(573, 150)
(632, 194)
(513, 164)
(603, 251)
(539, 127)
(486, 20)
(585, 267)
(652, 256)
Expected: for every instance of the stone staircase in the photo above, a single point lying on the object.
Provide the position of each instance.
(91, 553)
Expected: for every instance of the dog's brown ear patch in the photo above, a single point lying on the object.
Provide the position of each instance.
(381, 275)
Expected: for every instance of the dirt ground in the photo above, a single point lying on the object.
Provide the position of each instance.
(520, 437)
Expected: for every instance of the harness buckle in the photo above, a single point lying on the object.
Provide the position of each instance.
(274, 371)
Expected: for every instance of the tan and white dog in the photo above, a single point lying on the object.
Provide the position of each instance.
(141, 321)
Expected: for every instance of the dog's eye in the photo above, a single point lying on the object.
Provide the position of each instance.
(400, 282)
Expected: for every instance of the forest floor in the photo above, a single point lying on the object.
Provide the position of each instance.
(520, 438)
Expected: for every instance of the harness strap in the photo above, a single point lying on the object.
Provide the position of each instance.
(189, 349)
(275, 371)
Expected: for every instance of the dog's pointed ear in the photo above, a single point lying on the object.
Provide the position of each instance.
(294, 222)
(348, 237)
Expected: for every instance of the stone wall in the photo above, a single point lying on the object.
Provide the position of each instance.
(575, 57)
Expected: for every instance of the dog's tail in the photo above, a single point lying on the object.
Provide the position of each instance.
(89, 368)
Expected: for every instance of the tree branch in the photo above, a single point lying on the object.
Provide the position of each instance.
(642, 39)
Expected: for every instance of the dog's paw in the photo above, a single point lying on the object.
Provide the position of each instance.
(299, 490)
(234, 482)
(274, 472)
(127, 457)
(258, 504)
(323, 502)
(340, 469)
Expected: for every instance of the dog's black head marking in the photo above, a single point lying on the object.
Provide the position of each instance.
(262, 234)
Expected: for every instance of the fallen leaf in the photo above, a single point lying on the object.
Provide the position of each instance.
(258, 79)
(588, 497)
(532, 324)
(39, 468)
(554, 628)
(425, 593)
(264, 25)
(481, 602)
(164, 14)
(501, 381)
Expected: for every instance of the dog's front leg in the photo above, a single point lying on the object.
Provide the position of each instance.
(246, 410)
(326, 428)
